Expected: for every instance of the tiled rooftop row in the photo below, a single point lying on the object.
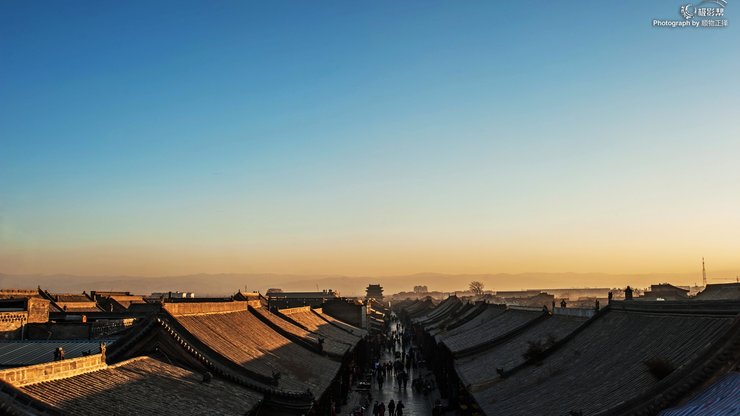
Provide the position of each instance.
(632, 357)
(143, 386)
(246, 352)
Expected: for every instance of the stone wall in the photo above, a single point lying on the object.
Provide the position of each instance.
(32, 374)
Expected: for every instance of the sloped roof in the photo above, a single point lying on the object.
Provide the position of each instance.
(490, 329)
(70, 302)
(419, 307)
(331, 346)
(339, 323)
(72, 298)
(466, 311)
(143, 386)
(402, 304)
(126, 300)
(489, 312)
(305, 317)
(721, 399)
(239, 336)
(442, 310)
(604, 367)
(77, 307)
(477, 369)
(723, 291)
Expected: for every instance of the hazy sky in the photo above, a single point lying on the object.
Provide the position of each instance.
(143, 137)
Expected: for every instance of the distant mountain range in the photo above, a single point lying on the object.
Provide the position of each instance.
(226, 284)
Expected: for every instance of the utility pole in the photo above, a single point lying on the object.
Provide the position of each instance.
(703, 272)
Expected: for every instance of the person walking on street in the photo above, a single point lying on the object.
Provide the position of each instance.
(399, 408)
(391, 408)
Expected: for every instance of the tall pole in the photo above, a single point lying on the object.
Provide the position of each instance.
(703, 272)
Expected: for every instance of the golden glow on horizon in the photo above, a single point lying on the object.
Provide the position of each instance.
(355, 259)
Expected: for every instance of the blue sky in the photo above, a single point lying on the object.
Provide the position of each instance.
(342, 137)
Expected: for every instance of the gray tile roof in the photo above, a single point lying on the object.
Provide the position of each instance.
(478, 369)
(143, 386)
(490, 329)
(605, 364)
(490, 311)
(29, 352)
(330, 345)
(244, 339)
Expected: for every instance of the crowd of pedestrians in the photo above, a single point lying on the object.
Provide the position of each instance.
(404, 356)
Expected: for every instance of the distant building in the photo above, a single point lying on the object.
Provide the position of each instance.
(19, 293)
(172, 295)
(16, 314)
(118, 302)
(69, 303)
(722, 291)
(665, 291)
(568, 293)
(537, 301)
(374, 292)
(282, 299)
(351, 311)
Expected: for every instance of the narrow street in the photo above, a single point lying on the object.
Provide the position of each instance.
(415, 402)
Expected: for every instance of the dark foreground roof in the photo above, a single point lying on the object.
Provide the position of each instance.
(143, 386)
(476, 370)
(720, 399)
(630, 357)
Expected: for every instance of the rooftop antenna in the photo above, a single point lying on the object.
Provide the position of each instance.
(703, 272)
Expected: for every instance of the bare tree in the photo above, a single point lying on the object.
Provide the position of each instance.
(477, 287)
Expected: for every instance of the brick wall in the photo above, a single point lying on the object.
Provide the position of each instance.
(31, 374)
(11, 324)
(38, 310)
